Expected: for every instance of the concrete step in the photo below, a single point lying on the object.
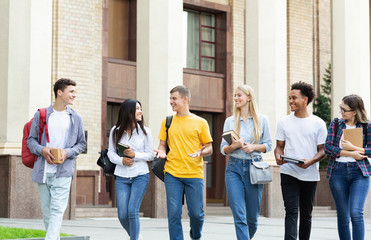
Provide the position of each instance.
(218, 209)
(93, 212)
(211, 209)
(97, 212)
(323, 211)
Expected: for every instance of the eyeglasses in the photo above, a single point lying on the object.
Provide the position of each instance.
(343, 110)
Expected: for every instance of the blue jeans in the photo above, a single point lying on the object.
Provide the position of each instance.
(297, 195)
(54, 194)
(244, 197)
(129, 195)
(349, 189)
(193, 188)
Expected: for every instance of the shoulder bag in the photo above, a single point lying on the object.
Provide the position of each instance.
(105, 163)
(158, 164)
(259, 172)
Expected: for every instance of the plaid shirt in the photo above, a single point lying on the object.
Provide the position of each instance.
(332, 147)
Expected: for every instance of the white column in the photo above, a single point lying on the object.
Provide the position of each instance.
(159, 69)
(351, 56)
(25, 66)
(266, 63)
(159, 57)
(266, 72)
(351, 51)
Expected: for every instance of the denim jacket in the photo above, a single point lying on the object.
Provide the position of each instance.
(75, 145)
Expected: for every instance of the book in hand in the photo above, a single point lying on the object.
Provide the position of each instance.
(292, 160)
(121, 148)
(355, 136)
(228, 136)
(57, 154)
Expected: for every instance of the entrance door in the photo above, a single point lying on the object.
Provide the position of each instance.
(215, 163)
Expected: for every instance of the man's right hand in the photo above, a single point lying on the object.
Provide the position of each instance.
(47, 155)
(160, 153)
(278, 151)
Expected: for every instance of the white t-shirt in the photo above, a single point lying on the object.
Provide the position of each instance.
(58, 126)
(301, 136)
(345, 159)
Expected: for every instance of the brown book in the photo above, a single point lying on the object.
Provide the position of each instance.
(354, 135)
(57, 154)
(228, 136)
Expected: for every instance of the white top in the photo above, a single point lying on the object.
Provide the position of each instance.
(141, 144)
(301, 136)
(345, 159)
(58, 126)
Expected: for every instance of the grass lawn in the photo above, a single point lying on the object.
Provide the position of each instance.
(14, 233)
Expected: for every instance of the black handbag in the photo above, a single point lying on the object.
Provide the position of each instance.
(105, 163)
(158, 164)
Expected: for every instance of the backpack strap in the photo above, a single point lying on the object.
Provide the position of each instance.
(364, 126)
(42, 124)
(336, 121)
(169, 119)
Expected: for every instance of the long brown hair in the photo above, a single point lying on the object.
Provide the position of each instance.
(126, 120)
(253, 108)
(355, 103)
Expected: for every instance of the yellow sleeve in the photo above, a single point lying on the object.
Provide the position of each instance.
(162, 134)
(205, 133)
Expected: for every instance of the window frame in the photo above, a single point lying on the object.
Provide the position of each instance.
(200, 28)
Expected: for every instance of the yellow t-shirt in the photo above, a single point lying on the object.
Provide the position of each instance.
(186, 135)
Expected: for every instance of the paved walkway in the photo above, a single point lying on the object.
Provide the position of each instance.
(215, 228)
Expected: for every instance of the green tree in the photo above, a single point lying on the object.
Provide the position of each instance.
(322, 106)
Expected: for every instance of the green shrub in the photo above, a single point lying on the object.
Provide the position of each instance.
(322, 106)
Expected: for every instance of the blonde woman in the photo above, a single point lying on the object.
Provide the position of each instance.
(252, 128)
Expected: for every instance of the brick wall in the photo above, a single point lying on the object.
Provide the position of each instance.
(300, 41)
(324, 35)
(238, 43)
(224, 2)
(77, 54)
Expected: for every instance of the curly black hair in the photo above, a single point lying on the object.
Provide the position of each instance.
(305, 89)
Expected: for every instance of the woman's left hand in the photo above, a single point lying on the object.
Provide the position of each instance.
(248, 148)
(347, 145)
(129, 153)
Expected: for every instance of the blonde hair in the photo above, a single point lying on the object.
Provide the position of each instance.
(257, 133)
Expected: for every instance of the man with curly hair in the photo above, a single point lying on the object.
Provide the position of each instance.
(299, 135)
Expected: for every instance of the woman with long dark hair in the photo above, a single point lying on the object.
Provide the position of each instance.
(349, 169)
(253, 130)
(132, 174)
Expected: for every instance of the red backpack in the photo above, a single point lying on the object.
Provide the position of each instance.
(28, 158)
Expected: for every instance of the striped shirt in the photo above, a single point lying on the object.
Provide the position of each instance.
(332, 147)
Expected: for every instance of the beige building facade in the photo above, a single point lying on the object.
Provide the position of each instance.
(119, 49)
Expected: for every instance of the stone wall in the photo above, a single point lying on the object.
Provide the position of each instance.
(19, 195)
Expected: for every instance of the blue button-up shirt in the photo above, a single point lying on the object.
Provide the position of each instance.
(247, 133)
